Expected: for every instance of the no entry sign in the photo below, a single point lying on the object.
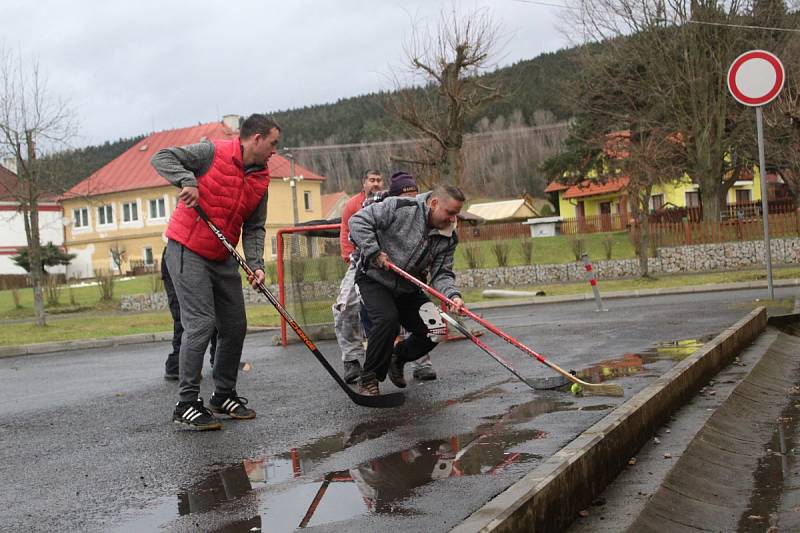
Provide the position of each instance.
(756, 77)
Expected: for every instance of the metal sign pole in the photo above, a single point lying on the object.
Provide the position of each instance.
(762, 171)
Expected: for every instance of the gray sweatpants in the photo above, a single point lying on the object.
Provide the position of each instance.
(210, 294)
(346, 318)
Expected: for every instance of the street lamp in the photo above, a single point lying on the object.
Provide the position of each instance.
(293, 184)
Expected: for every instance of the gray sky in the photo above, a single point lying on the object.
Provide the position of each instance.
(136, 67)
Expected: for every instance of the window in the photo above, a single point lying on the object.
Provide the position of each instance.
(656, 202)
(742, 196)
(307, 200)
(80, 218)
(148, 256)
(105, 215)
(274, 245)
(130, 212)
(693, 199)
(157, 208)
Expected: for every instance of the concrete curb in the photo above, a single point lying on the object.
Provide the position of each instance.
(86, 344)
(550, 497)
(692, 289)
(325, 330)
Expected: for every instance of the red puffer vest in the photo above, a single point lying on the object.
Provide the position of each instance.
(227, 195)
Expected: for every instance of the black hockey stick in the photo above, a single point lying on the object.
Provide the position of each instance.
(464, 331)
(386, 400)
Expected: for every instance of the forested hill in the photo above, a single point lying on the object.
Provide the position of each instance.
(534, 95)
(531, 85)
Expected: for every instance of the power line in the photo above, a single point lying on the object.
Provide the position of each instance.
(467, 137)
(746, 26)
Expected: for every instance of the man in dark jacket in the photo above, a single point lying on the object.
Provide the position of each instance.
(418, 235)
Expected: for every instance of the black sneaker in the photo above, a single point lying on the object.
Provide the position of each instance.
(195, 416)
(396, 372)
(231, 405)
(352, 370)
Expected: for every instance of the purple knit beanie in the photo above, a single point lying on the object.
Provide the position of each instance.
(401, 183)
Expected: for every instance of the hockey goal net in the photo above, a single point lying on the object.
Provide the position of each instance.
(309, 271)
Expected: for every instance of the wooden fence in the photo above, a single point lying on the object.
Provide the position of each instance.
(699, 232)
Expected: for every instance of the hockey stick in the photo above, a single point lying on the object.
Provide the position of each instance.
(607, 389)
(464, 331)
(386, 400)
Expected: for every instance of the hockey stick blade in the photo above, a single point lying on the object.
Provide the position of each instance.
(394, 399)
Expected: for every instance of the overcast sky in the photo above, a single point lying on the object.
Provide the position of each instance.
(135, 67)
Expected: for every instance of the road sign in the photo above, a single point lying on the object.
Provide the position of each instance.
(756, 77)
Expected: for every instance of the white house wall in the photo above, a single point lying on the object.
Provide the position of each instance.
(12, 235)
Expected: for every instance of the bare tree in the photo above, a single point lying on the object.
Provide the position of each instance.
(687, 49)
(32, 123)
(447, 60)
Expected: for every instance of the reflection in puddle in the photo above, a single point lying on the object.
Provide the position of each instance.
(282, 493)
(633, 363)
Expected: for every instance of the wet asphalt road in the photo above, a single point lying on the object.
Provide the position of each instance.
(86, 442)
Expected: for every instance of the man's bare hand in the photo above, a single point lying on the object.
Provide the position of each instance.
(381, 260)
(189, 196)
(458, 306)
(258, 278)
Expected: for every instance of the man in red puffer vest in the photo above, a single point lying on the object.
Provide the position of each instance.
(229, 180)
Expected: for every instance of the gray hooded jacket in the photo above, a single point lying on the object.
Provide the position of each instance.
(399, 227)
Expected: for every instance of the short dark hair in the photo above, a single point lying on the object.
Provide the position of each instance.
(446, 190)
(368, 172)
(257, 123)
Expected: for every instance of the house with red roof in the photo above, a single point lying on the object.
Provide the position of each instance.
(12, 224)
(604, 205)
(116, 218)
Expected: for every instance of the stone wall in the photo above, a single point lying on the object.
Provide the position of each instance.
(693, 258)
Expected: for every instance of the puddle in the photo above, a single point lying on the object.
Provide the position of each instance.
(776, 479)
(283, 493)
(632, 364)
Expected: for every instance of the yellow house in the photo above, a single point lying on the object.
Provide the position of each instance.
(593, 199)
(116, 218)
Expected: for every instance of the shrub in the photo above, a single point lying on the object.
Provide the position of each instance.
(500, 250)
(52, 290)
(105, 282)
(322, 268)
(608, 245)
(156, 283)
(473, 254)
(578, 246)
(526, 248)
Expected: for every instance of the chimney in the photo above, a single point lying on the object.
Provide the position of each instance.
(10, 163)
(231, 121)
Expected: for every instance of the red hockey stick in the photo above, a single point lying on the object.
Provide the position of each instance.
(607, 389)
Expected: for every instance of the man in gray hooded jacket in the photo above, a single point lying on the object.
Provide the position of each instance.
(418, 235)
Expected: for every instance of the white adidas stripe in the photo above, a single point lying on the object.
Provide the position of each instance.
(230, 405)
(195, 416)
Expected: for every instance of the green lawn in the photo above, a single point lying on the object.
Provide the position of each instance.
(546, 250)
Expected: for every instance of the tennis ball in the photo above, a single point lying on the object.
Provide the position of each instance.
(576, 389)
